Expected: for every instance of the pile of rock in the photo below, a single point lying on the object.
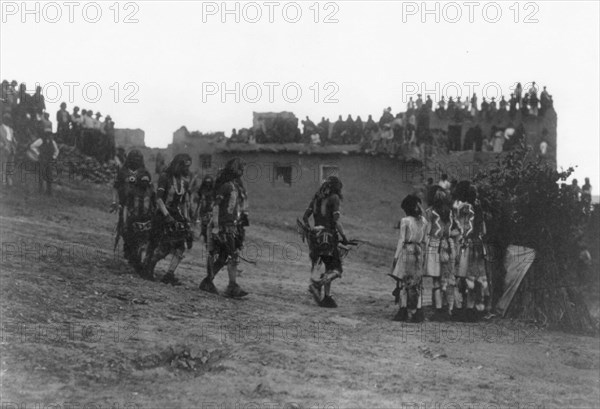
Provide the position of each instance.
(83, 167)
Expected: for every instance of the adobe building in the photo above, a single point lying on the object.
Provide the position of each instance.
(282, 177)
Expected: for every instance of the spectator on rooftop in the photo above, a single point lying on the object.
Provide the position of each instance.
(444, 183)
(519, 94)
(429, 103)
(474, 105)
(63, 119)
(38, 102)
(387, 116)
(419, 102)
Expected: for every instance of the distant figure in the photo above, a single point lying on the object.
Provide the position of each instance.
(498, 140)
(545, 101)
(429, 191)
(38, 102)
(429, 103)
(419, 101)
(543, 147)
(444, 183)
(47, 151)
(493, 106)
(63, 119)
(575, 189)
(387, 116)
(512, 105)
(474, 105)
(519, 93)
(533, 100)
(586, 195)
(484, 107)
(47, 124)
(109, 130)
(8, 148)
(410, 105)
(442, 104)
(503, 104)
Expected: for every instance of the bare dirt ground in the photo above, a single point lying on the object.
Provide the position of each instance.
(79, 328)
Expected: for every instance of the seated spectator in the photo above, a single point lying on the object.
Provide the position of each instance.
(309, 127)
(387, 116)
(498, 140)
(444, 183)
(543, 147)
(315, 139)
(510, 139)
(87, 121)
(98, 121)
(487, 145)
(46, 123)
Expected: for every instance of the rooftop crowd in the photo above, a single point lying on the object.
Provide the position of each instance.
(410, 132)
(27, 136)
(28, 120)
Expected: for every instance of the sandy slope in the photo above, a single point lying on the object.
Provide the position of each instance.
(79, 327)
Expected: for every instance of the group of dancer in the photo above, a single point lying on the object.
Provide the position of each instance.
(444, 242)
(155, 223)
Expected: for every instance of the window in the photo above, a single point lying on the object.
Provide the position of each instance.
(283, 173)
(329, 170)
(205, 161)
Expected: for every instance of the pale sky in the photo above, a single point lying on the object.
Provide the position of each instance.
(371, 58)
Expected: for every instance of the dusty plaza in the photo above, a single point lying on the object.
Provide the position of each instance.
(299, 205)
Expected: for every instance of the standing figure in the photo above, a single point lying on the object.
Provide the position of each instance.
(63, 119)
(471, 277)
(171, 223)
(46, 150)
(125, 179)
(586, 196)
(8, 149)
(440, 254)
(206, 197)
(141, 206)
(407, 269)
(324, 238)
(225, 229)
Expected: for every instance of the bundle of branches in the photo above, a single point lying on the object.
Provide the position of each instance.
(527, 203)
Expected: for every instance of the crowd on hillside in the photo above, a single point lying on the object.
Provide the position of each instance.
(26, 117)
(409, 132)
